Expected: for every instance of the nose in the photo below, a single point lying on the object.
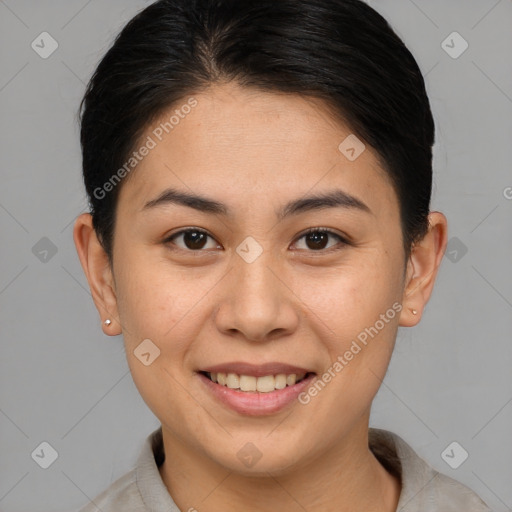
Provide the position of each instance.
(257, 303)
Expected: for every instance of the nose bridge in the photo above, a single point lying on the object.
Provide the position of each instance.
(258, 303)
(253, 270)
(255, 282)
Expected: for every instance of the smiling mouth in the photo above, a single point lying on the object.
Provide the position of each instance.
(250, 383)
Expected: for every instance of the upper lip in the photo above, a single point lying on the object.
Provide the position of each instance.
(256, 370)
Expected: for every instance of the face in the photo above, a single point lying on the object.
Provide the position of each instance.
(237, 285)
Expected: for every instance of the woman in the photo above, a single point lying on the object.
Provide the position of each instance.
(259, 175)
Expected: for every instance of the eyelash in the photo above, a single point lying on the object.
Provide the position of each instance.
(343, 241)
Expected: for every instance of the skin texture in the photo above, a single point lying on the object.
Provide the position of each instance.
(254, 151)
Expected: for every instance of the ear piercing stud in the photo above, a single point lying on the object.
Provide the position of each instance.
(108, 322)
(414, 312)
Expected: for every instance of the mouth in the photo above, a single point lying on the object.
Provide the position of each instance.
(252, 383)
(255, 390)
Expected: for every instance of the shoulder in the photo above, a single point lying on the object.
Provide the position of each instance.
(142, 488)
(423, 488)
(123, 494)
(453, 495)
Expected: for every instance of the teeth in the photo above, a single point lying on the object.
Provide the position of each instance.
(248, 383)
(290, 379)
(264, 384)
(233, 381)
(280, 381)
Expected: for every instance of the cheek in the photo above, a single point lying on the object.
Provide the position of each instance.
(351, 297)
(147, 301)
(357, 324)
(159, 302)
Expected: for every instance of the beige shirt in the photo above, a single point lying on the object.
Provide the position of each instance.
(423, 488)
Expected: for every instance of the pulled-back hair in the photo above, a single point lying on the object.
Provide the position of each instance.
(340, 51)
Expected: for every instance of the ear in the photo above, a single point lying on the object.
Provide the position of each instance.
(98, 271)
(422, 269)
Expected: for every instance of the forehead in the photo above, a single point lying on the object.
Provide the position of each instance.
(244, 146)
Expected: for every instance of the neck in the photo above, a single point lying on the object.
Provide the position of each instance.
(345, 478)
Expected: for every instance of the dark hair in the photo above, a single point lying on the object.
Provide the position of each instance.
(340, 51)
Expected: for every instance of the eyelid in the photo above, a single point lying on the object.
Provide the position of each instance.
(344, 240)
(323, 229)
(168, 239)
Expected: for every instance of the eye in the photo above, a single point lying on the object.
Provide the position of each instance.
(316, 239)
(193, 239)
(196, 239)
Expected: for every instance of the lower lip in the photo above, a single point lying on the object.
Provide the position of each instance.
(254, 403)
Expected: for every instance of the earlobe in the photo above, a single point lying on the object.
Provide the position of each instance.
(97, 269)
(422, 268)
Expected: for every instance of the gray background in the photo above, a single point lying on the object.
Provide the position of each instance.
(62, 381)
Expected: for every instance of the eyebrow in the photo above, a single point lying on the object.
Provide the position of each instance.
(333, 199)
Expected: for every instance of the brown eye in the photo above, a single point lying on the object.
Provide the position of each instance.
(317, 239)
(192, 239)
